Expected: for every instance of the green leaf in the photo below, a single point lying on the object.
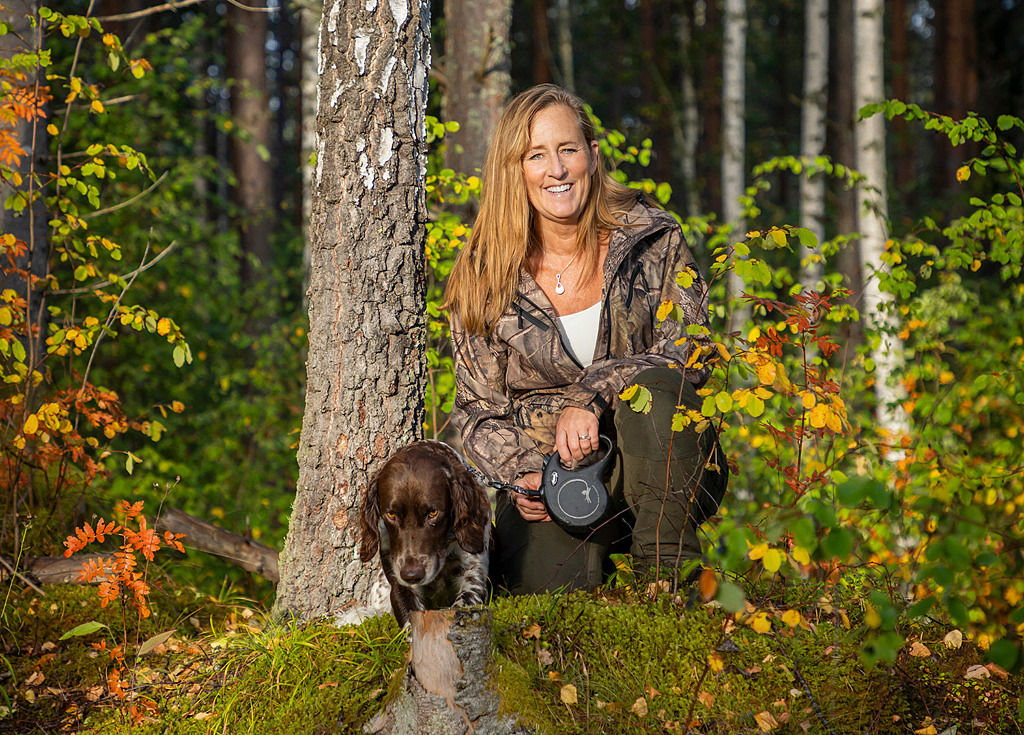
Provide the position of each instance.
(179, 356)
(724, 402)
(151, 643)
(838, 544)
(807, 238)
(1005, 122)
(731, 597)
(84, 629)
(1004, 653)
(640, 401)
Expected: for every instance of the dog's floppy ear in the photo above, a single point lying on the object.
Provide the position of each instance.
(369, 522)
(470, 508)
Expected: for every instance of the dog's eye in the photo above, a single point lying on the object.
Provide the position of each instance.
(434, 513)
(390, 516)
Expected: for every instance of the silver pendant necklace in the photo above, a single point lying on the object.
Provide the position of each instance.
(559, 288)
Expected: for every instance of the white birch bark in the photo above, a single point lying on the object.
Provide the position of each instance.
(309, 21)
(734, 52)
(812, 137)
(367, 329)
(878, 307)
(689, 126)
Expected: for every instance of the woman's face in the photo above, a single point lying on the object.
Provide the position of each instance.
(558, 167)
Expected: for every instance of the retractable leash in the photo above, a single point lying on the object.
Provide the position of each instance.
(576, 499)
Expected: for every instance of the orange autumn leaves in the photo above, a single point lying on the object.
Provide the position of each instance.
(118, 573)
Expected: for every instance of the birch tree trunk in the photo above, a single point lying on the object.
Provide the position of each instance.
(734, 53)
(309, 23)
(366, 365)
(812, 136)
(477, 66)
(872, 212)
(689, 126)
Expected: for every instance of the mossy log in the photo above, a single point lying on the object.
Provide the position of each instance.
(448, 687)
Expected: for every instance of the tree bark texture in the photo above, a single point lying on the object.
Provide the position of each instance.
(843, 151)
(250, 109)
(477, 66)
(541, 43)
(812, 135)
(566, 68)
(734, 54)
(956, 80)
(366, 365)
(877, 307)
(448, 686)
(687, 128)
(309, 22)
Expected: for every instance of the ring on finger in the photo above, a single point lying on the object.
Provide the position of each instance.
(585, 436)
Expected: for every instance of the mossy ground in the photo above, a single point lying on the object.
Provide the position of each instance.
(605, 663)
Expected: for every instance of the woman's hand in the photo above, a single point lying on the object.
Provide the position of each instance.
(576, 435)
(531, 509)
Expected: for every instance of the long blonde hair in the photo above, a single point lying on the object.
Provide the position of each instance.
(485, 277)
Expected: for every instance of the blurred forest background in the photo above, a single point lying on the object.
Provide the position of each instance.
(185, 177)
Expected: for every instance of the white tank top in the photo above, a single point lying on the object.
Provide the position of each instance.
(580, 332)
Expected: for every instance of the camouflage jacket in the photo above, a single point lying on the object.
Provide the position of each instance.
(512, 386)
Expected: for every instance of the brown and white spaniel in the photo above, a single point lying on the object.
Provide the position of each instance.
(430, 521)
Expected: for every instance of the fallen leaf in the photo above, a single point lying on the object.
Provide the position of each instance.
(706, 699)
(48, 646)
(717, 664)
(327, 684)
(35, 679)
(927, 730)
(652, 692)
(568, 694)
(532, 632)
(30, 695)
(791, 618)
(204, 715)
(760, 623)
(997, 670)
(953, 639)
(639, 707)
(554, 676)
(151, 644)
(544, 657)
(919, 650)
(977, 672)
(93, 694)
(765, 721)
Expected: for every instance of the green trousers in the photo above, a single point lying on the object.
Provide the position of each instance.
(657, 478)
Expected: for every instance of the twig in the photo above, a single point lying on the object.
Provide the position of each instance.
(21, 576)
(132, 274)
(149, 11)
(122, 205)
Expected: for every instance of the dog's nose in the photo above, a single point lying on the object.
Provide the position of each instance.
(413, 573)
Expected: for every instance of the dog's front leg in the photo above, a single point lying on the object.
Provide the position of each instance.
(403, 602)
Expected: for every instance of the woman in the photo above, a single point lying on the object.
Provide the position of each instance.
(553, 306)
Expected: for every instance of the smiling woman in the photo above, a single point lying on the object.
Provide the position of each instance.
(553, 306)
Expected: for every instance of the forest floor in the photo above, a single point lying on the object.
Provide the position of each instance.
(609, 662)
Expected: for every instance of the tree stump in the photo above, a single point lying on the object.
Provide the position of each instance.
(448, 687)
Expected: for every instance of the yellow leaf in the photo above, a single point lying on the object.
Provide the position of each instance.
(819, 416)
(568, 694)
(766, 373)
(163, 326)
(779, 236)
(31, 425)
(791, 618)
(871, 617)
(664, 310)
(760, 623)
(765, 721)
(801, 555)
(51, 129)
(772, 560)
(963, 173)
(809, 400)
(723, 351)
(715, 662)
(756, 552)
(629, 392)
(928, 730)
(96, 106)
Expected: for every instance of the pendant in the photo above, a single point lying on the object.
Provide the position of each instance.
(559, 288)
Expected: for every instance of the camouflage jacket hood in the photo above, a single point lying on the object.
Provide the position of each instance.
(512, 386)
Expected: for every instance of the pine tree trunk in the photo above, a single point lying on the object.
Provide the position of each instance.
(541, 43)
(812, 135)
(250, 110)
(477, 65)
(366, 365)
(877, 307)
(448, 687)
(734, 52)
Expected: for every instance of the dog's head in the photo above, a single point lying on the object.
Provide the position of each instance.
(423, 495)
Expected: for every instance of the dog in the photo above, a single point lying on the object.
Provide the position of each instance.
(430, 521)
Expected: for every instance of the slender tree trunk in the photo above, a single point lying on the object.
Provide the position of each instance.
(366, 365)
(541, 43)
(689, 126)
(903, 134)
(565, 61)
(957, 62)
(477, 65)
(878, 307)
(250, 146)
(734, 52)
(309, 23)
(812, 135)
(844, 151)
(711, 106)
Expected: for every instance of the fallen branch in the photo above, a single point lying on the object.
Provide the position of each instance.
(203, 536)
(52, 569)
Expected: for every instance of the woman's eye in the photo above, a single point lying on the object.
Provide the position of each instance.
(569, 151)
(535, 157)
